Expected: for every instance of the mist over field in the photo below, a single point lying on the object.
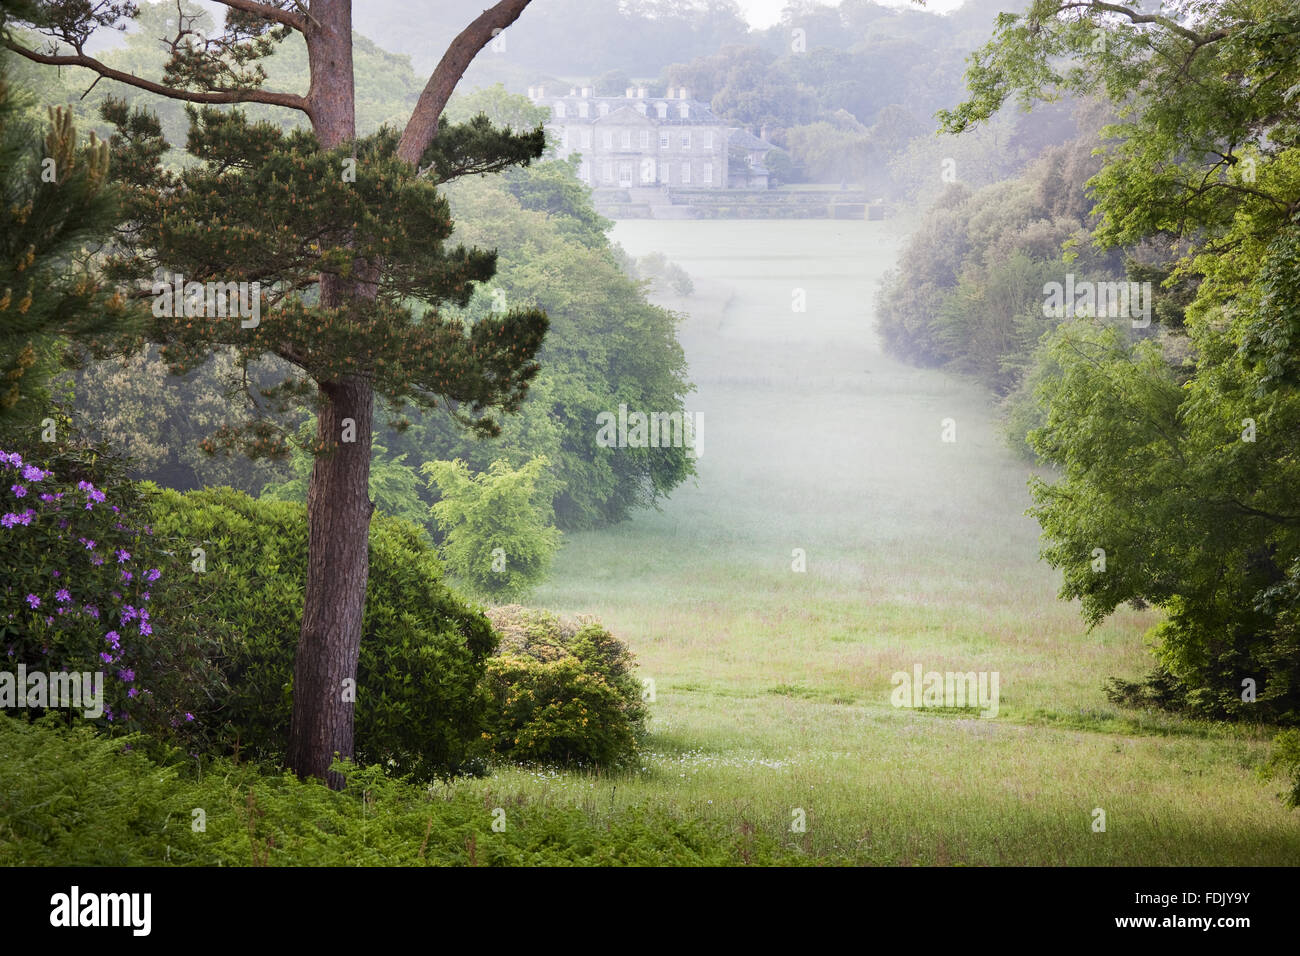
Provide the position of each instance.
(656, 433)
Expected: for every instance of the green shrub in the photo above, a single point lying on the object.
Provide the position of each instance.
(562, 691)
(419, 705)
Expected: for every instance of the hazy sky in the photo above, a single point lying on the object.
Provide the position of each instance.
(763, 13)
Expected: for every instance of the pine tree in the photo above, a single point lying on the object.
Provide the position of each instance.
(56, 206)
(346, 240)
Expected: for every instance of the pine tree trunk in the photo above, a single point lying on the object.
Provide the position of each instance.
(338, 518)
(338, 499)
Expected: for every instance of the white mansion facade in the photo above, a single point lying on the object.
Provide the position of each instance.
(639, 140)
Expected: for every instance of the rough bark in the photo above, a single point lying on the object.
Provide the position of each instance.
(338, 498)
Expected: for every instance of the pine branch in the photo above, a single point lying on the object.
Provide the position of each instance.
(286, 17)
(422, 128)
(289, 100)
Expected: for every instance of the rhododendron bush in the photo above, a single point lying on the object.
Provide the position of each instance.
(82, 574)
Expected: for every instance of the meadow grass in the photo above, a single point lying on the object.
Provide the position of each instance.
(772, 687)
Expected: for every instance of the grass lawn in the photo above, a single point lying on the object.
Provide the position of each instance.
(772, 687)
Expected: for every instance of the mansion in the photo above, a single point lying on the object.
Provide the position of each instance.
(645, 141)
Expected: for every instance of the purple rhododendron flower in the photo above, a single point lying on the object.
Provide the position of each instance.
(146, 628)
(153, 574)
(62, 596)
(32, 473)
(113, 637)
(132, 692)
(188, 715)
(33, 600)
(106, 657)
(126, 674)
(20, 491)
(123, 556)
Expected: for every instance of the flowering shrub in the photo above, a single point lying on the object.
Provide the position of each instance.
(562, 691)
(80, 575)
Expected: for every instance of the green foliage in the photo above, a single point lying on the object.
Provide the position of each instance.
(496, 525)
(1179, 458)
(55, 207)
(969, 291)
(394, 485)
(562, 691)
(1285, 762)
(332, 223)
(1193, 512)
(133, 402)
(70, 798)
(606, 346)
(422, 651)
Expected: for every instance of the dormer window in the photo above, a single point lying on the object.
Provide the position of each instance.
(685, 110)
(560, 112)
(641, 108)
(662, 110)
(584, 109)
